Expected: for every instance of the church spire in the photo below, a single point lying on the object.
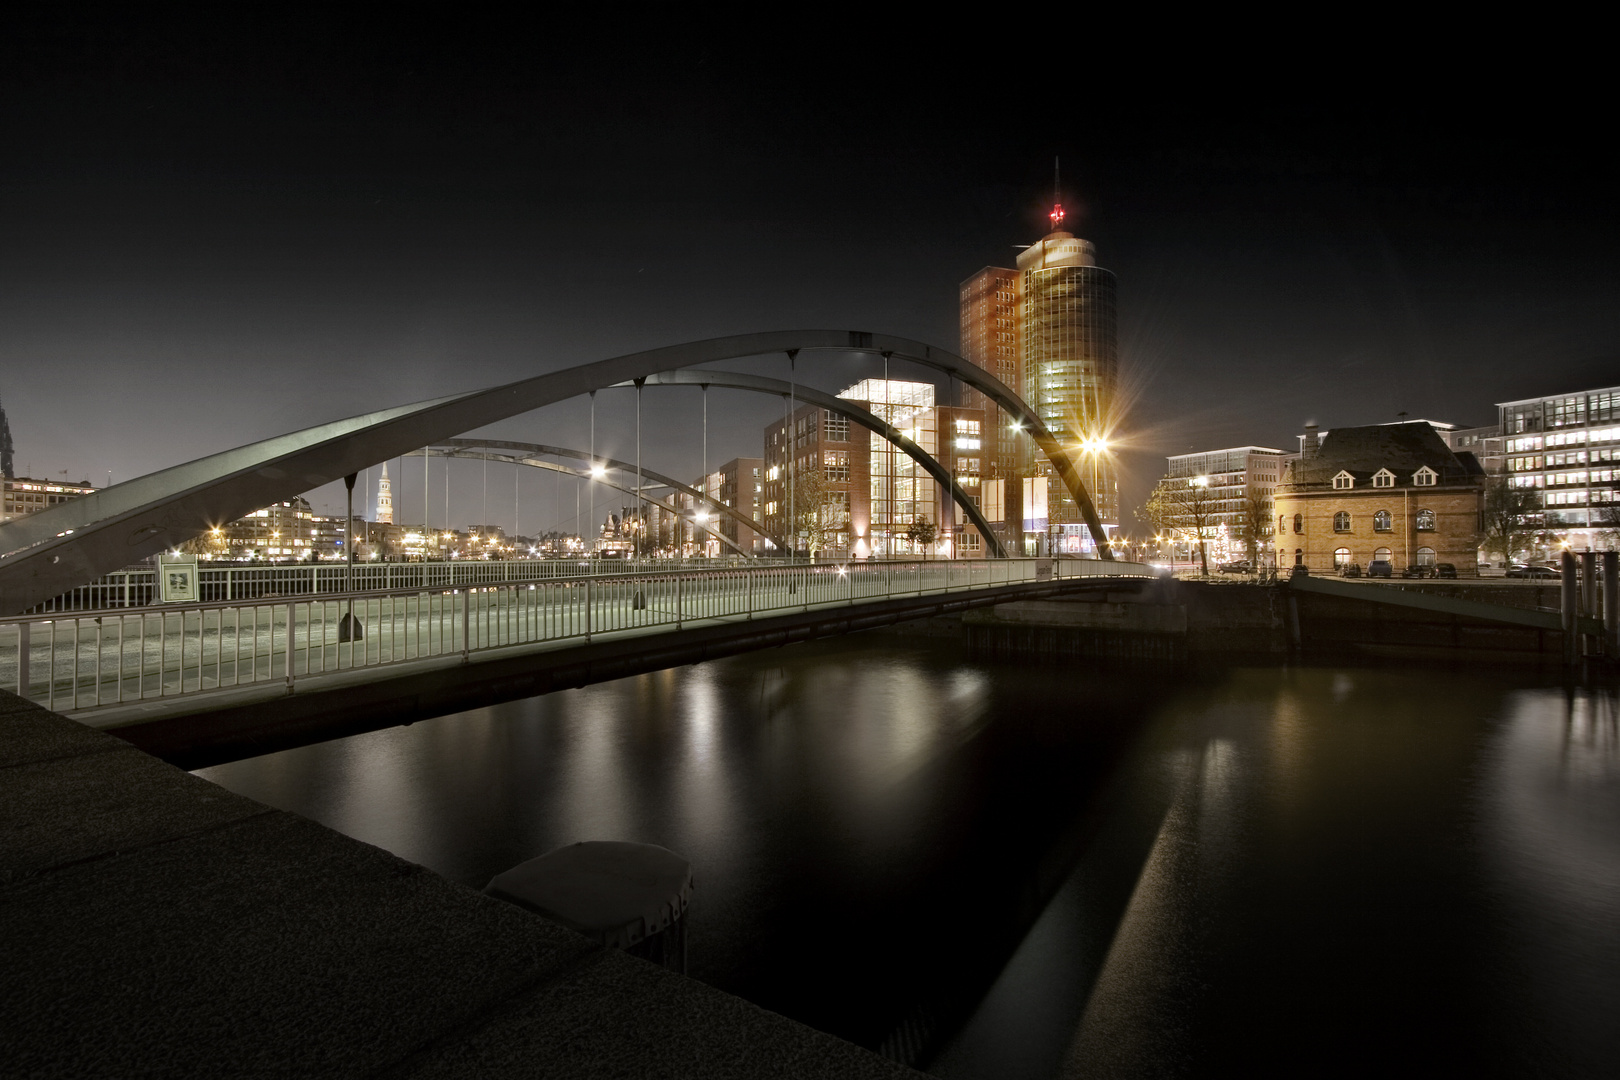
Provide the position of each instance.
(385, 498)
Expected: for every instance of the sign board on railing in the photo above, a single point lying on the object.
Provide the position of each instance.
(177, 580)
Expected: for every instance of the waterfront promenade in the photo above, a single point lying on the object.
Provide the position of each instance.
(155, 923)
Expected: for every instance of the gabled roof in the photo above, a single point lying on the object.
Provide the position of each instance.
(1400, 448)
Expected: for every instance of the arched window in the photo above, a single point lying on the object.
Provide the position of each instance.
(1299, 523)
(1282, 524)
(1381, 521)
(1299, 556)
(1341, 521)
(1425, 556)
(1382, 553)
(1341, 558)
(1425, 521)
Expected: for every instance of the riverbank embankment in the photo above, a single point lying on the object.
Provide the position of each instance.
(157, 923)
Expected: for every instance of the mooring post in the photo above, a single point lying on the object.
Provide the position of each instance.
(1568, 606)
(1611, 604)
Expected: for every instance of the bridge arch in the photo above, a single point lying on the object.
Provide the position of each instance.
(45, 554)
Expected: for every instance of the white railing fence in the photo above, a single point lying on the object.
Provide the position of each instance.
(72, 662)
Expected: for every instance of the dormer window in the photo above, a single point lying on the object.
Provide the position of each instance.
(1383, 478)
(1425, 477)
(1344, 481)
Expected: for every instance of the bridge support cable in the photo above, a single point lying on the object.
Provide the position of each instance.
(45, 554)
(715, 505)
(621, 486)
(793, 455)
(850, 410)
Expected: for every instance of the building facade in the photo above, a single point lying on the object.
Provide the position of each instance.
(739, 484)
(829, 458)
(1393, 491)
(1071, 368)
(23, 495)
(1220, 494)
(1567, 449)
(1046, 329)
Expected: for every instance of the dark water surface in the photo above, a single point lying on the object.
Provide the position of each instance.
(1005, 871)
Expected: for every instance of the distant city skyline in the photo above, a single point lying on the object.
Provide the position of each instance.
(218, 232)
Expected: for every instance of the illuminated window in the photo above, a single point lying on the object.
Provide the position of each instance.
(1425, 521)
(1381, 521)
(1382, 553)
(1341, 522)
(1425, 556)
(1341, 558)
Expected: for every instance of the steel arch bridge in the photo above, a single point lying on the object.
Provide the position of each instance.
(45, 554)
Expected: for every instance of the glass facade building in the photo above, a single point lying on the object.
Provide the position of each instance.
(1070, 368)
(1567, 448)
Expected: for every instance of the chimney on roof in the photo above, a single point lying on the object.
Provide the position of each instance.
(1308, 444)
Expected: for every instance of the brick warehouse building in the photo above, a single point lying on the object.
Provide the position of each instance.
(1392, 491)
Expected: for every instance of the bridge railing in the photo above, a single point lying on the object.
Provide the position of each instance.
(81, 662)
(137, 586)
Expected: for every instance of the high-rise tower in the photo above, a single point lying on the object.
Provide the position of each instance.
(385, 498)
(1071, 365)
(1047, 330)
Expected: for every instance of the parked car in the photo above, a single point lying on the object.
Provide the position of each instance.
(1445, 570)
(1523, 570)
(1350, 570)
(1380, 568)
(1241, 566)
(1415, 570)
(1299, 571)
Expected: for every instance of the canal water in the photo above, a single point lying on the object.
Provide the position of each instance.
(1008, 870)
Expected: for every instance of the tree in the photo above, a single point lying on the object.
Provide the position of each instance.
(1507, 507)
(922, 532)
(1606, 522)
(1257, 510)
(818, 511)
(1181, 507)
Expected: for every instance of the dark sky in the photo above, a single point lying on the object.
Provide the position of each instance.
(216, 232)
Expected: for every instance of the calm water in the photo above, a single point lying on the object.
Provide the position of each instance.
(1019, 871)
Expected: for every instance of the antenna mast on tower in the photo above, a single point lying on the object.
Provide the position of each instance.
(1057, 198)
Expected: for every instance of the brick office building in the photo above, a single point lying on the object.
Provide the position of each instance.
(1393, 491)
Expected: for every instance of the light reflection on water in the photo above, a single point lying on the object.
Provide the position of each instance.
(1299, 871)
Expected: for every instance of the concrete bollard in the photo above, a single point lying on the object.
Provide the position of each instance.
(1589, 585)
(1568, 606)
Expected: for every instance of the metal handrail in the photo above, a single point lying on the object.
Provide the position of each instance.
(91, 660)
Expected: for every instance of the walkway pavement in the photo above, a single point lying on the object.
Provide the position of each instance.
(155, 924)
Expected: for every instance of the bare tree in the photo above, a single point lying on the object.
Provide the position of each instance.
(819, 510)
(1507, 508)
(1181, 507)
(1257, 510)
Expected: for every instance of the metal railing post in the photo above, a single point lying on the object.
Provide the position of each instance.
(679, 602)
(466, 621)
(588, 609)
(748, 602)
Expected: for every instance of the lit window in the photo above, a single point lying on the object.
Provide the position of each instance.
(1425, 556)
(1381, 521)
(1341, 558)
(1425, 521)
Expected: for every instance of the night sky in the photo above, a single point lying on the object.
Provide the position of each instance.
(213, 233)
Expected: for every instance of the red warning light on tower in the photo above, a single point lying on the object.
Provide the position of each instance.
(1056, 215)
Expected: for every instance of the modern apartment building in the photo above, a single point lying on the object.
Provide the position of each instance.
(1567, 448)
(1226, 480)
